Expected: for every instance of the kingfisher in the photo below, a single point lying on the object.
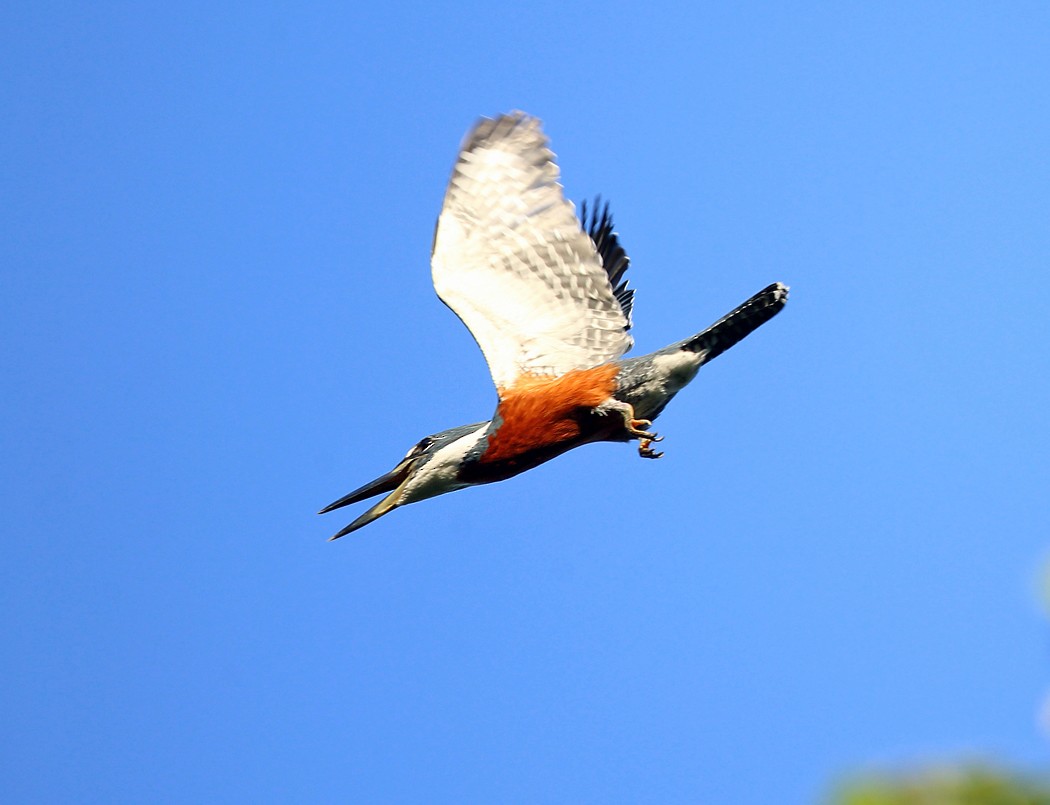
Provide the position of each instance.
(543, 292)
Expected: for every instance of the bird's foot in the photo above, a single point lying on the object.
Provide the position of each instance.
(646, 439)
(646, 451)
(634, 429)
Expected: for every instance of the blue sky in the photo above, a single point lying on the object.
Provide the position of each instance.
(217, 314)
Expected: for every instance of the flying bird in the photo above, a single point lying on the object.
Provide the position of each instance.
(543, 293)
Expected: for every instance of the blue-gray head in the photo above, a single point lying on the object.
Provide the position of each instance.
(429, 469)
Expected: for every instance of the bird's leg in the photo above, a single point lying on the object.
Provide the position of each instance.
(634, 427)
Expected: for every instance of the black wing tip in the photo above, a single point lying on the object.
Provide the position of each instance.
(598, 224)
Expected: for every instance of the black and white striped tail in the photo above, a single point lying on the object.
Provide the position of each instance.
(736, 326)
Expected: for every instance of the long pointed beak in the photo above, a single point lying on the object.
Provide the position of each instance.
(387, 504)
(392, 482)
(384, 483)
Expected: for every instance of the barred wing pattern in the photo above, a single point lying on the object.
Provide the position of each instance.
(513, 262)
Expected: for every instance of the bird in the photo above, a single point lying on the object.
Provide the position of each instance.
(543, 292)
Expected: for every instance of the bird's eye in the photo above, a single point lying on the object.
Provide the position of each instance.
(420, 448)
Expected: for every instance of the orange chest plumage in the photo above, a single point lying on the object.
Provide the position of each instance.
(540, 412)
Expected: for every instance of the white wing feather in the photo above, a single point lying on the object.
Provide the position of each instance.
(511, 259)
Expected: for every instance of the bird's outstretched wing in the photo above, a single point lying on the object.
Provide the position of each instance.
(513, 262)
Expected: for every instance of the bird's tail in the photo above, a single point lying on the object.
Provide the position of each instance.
(736, 326)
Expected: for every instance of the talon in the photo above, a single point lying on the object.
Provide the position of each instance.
(645, 451)
(634, 429)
